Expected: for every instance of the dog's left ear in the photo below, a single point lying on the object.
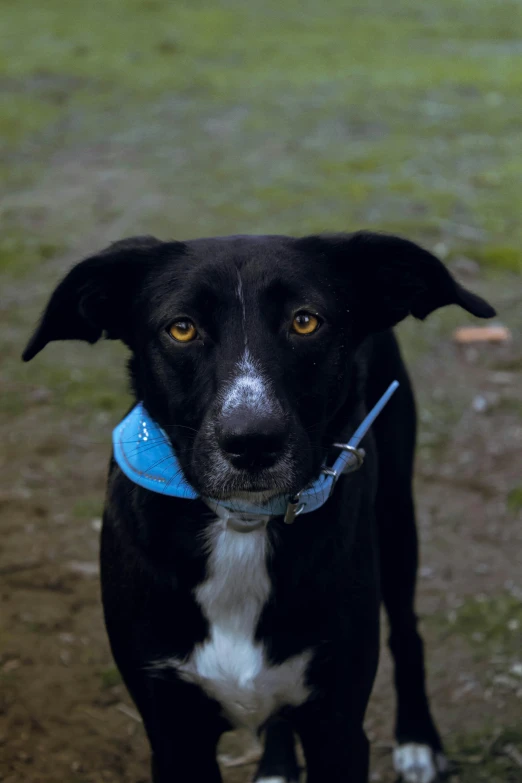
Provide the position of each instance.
(96, 297)
(386, 278)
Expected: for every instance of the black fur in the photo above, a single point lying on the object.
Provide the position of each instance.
(330, 569)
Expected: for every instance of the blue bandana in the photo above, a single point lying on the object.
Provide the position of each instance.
(145, 454)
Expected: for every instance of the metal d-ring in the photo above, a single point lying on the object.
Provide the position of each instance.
(334, 474)
(359, 454)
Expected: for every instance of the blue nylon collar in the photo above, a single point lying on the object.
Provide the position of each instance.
(145, 454)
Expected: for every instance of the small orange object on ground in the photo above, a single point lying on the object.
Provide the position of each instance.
(481, 334)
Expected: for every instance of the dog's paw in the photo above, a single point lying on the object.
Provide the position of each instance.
(417, 763)
(276, 779)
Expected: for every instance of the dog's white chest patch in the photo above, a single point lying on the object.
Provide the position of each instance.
(231, 666)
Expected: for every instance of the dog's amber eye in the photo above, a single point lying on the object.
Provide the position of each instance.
(305, 323)
(183, 331)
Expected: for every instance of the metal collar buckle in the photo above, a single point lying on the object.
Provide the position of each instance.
(295, 507)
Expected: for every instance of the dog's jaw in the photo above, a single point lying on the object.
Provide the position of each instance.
(255, 498)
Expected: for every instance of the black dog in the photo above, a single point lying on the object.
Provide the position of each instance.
(254, 355)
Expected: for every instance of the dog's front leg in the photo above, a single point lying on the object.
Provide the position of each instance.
(183, 754)
(335, 747)
(330, 724)
(183, 727)
(172, 765)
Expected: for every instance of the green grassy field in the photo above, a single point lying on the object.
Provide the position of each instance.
(184, 119)
(268, 117)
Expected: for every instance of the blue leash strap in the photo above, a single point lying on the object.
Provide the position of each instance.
(350, 459)
(343, 461)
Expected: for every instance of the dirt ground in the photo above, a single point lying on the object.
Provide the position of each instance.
(64, 716)
(191, 119)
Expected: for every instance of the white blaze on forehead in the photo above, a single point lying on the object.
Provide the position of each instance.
(241, 297)
(248, 389)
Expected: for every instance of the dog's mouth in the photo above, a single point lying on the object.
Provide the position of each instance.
(252, 486)
(220, 475)
(256, 496)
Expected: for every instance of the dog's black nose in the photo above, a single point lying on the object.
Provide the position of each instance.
(251, 440)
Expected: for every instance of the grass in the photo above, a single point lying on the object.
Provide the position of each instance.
(487, 756)
(21, 253)
(514, 499)
(110, 677)
(289, 117)
(86, 508)
(491, 625)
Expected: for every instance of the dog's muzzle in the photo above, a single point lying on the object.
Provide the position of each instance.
(145, 454)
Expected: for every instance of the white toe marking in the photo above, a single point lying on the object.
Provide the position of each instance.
(272, 780)
(415, 763)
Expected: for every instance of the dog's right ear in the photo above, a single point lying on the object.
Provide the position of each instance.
(95, 297)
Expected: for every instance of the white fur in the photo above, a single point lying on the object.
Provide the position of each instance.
(415, 763)
(231, 666)
(240, 296)
(248, 389)
(272, 780)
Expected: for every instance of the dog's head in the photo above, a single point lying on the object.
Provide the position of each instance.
(242, 346)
